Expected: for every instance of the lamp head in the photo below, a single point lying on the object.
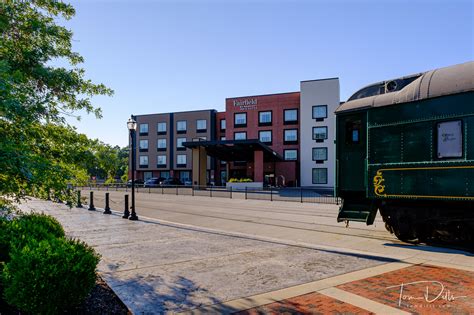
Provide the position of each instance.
(131, 124)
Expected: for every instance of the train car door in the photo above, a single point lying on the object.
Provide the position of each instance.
(352, 153)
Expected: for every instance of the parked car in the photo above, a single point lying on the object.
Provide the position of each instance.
(171, 182)
(153, 182)
(138, 182)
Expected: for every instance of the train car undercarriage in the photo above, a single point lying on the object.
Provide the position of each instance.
(434, 222)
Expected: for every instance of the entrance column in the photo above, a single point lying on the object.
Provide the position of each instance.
(258, 166)
(227, 170)
(199, 166)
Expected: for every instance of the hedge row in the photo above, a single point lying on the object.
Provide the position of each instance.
(41, 270)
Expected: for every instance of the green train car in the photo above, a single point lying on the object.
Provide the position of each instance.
(405, 148)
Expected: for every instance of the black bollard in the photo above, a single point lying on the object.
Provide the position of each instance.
(107, 208)
(91, 201)
(126, 212)
(79, 203)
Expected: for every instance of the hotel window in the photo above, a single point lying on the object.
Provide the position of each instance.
(240, 135)
(143, 145)
(179, 144)
(181, 126)
(320, 133)
(290, 136)
(265, 118)
(200, 139)
(291, 116)
(143, 129)
(320, 154)
(320, 112)
(223, 125)
(223, 177)
(161, 145)
(320, 175)
(161, 161)
(143, 160)
(147, 175)
(223, 138)
(165, 174)
(291, 155)
(201, 125)
(240, 120)
(265, 136)
(161, 128)
(181, 160)
(185, 176)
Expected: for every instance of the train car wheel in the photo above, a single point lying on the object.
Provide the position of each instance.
(404, 229)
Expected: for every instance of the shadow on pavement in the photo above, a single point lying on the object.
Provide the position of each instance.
(432, 249)
(150, 294)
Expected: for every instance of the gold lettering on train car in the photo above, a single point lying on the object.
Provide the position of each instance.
(378, 187)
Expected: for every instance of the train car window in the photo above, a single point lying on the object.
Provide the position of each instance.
(450, 139)
(353, 132)
(372, 90)
(384, 87)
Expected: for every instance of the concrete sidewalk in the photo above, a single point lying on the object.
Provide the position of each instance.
(158, 267)
(312, 225)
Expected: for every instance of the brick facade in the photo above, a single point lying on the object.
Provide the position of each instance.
(279, 173)
(297, 165)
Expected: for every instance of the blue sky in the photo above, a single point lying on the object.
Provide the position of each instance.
(162, 56)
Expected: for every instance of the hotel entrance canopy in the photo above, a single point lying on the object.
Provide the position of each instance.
(235, 150)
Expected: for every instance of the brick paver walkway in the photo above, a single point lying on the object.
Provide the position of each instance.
(418, 289)
(311, 303)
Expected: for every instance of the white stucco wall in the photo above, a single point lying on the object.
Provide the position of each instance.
(318, 92)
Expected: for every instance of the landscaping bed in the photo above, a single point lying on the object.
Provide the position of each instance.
(42, 271)
(101, 300)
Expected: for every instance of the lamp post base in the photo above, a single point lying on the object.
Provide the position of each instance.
(133, 217)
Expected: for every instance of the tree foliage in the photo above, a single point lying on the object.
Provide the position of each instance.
(110, 161)
(38, 150)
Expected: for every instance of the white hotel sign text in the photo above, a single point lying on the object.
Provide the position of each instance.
(246, 104)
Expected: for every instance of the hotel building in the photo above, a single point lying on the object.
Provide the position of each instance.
(283, 139)
(160, 138)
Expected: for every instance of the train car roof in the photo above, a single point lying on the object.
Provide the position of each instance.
(430, 84)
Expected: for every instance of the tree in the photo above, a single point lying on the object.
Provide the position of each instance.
(110, 161)
(38, 150)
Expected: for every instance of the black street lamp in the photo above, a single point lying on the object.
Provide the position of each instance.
(132, 127)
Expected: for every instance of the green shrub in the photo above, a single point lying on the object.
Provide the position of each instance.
(40, 224)
(4, 240)
(241, 180)
(17, 232)
(48, 276)
(34, 226)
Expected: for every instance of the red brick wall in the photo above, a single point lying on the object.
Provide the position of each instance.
(276, 103)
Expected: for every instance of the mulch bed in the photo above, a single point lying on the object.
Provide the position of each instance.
(101, 300)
